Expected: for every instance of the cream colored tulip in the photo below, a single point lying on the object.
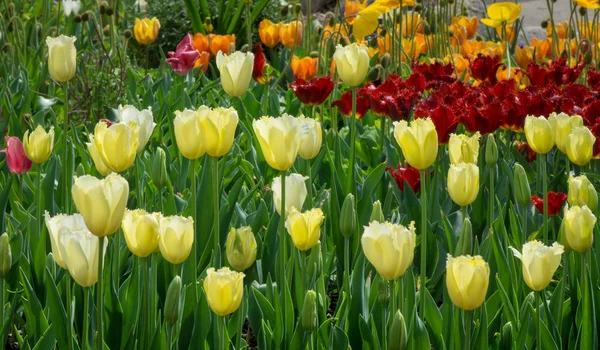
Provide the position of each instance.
(295, 192)
(389, 247)
(39, 144)
(305, 228)
(539, 263)
(467, 280)
(463, 148)
(580, 145)
(579, 228)
(218, 129)
(224, 290)
(101, 202)
(352, 63)
(279, 139)
(62, 58)
(240, 248)
(117, 144)
(96, 157)
(144, 120)
(176, 238)
(141, 231)
(539, 133)
(463, 183)
(563, 124)
(236, 71)
(582, 192)
(62, 223)
(419, 141)
(188, 132)
(310, 144)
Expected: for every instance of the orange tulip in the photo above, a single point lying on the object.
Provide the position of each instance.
(560, 28)
(510, 33)
(543, 48)
(269, 32)
(220, 43)
(413, 49)
(459, 34)
(352, 8)
(461, 63)
(516, 74)
(200, 42)
(470, 25)
(411, 23)
(290, 34)
(203, 60)
(564, 44)
(523, 56)
(488, 48)
(305, 68)
(384, 44)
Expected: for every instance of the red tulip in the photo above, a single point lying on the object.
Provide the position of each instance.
(16, 160)
(260, 62)
(593, 79)
(445, 121)
(313, 92)
(407, 173)
(183, 59)
(555, 202)
(344, 105)
(525, 150)
(484, 68)
(434, 74)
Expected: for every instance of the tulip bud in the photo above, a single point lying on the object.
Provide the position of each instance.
(110, 11)
(241, 248)
(77, 19)
(172, 301)
(540, 134)
(507, 339)
(521, 183)
(285, 9)
(398, 337)
(159, 174)
(491, 150)
(384, 292)
(5, 255)
(308, 318)
(465, 242)
(85, 16)
(383, 32)
(314, 54)
(352, 63)
(377, 213)
(297, 11)
(103, 7)
(418, 141)
(463, 183)
(582, 11)
(10, 10)
(128, 33)
(348, 219)
(375, 73)
(544, 24)
(244, 49)
(580, 145)
(385, 60)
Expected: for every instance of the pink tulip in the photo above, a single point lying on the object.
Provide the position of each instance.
(16, 160)
(183, 59)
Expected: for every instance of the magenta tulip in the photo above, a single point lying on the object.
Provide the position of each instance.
(16, 160)
(183, 59)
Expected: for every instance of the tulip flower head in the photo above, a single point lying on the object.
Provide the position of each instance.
(555, 202)
(236, 72)
(62, 56)
(501, 14)
(312, 137)
(344, 105)
(580, 145)
(290, 34)
(146, 30)
(539, 263)
(295, 192)
(188, 132)
(582, 193)
(579, 228)
(304, 68)
(467, 280)
(279, 140)
(141, 231)
(56, 225)
(96, 157)
(588, 4)
(240, 248)
(224, 290)
(352, 63)
(144, 120)
(117, 144)
(260, 71)
(407, 174)
(101, 202)
(463, 183)
(463, 149)
(183, 59)
(563, 124)
(539, 133)
(176, 238)
(419, 141)
(269, 32)
(218, 130)
(223, 43)
(313, 93)
(305, 228)
(389, 247)
(38, 145)
(16, 158)
(71, 6)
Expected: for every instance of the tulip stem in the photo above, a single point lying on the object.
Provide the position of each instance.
(99, 300)
(144, 321)
(492, 198)
(67, 185)
(538, 328)
(423, 277)
(310, 183)
(215, 179)
(282, 244)
(351, 183)
(382, 134)
(86, 317)
(384, 327)
(248, 25)
(2, 301)
(347, 275)
(69, 306)
(545, 194)
(194, 212)
(42, 239)
(221, 332)
(468, 324)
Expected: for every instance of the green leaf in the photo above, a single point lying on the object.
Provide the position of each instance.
(58, 315)
(339, 339)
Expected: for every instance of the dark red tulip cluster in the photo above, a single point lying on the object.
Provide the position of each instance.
(556, 73)
(313, 92)
(344, 105)
(555, 202)
(394, 98)
(484, 68)
(434, 74)
(406, 173)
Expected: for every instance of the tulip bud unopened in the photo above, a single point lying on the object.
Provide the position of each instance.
(240, 248)
(315, 261)
(348, 217)
(171, 308)
(308, 318)
(398, 336)
(463, 183)
(377, 213)
(5, 256)
(159, 173)
(521, 185)
(507, 338)
(463, 148)
(491, 150)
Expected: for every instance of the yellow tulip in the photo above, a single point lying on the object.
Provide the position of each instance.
(563, 124)
(240, 248)
(279, 139)
(58, 225)
(188, 132)
(467, 280)
(146, 30)
(269, 32)
(290, 34)
(96, 157)
(101, 202)
(144, 120)
(236, 71)
(310, 144)
(580, 145)
(539, 263)
(389, 247)
(463, 149)
(419, 141)
(295, 192)
(502, 13)
(305, 228)
(117, 144)
(582, 192)
(38, 145)
(218, 130)
(463, 183)
(579, 228)
(224, 290)
(141, 231)
(367, 19)
(588, 4)
(539, 134)
(62, 58)
(176, 237)
(352, 63)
